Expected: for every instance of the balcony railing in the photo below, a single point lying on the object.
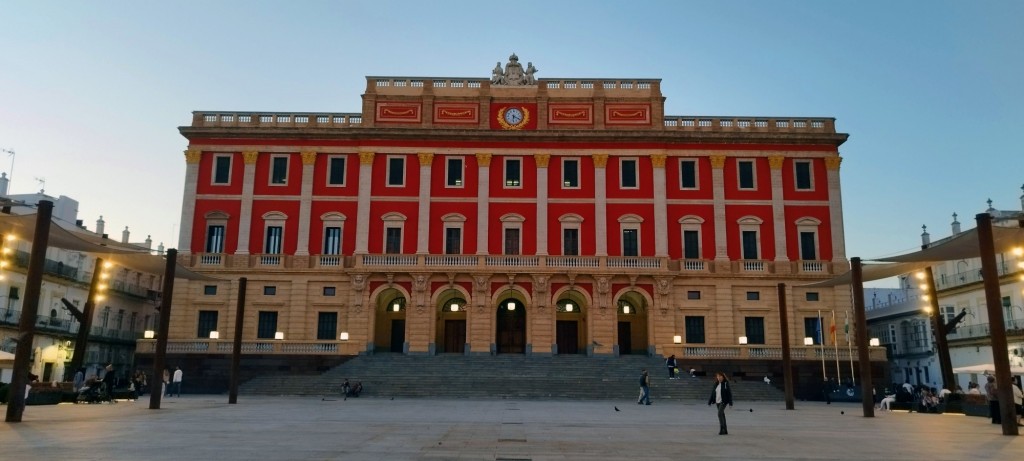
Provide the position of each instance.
(752, 266)
(1005, 267)
(758, 352)
(1014, 327)
(452, 260)
(259, 346)
(573, 261)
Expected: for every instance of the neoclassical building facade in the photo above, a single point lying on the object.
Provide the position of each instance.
(508, 215)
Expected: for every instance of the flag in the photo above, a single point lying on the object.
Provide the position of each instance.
(846, 327)
(832, 331)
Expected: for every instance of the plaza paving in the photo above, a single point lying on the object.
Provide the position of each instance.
(369, 428)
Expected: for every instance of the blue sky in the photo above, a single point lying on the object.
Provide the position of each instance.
(92, 93)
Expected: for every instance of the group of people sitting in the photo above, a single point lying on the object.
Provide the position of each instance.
(349, 390)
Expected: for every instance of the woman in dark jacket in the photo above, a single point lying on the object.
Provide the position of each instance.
(721, 396)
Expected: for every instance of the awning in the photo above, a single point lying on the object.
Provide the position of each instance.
(964, 246)
(871, 271)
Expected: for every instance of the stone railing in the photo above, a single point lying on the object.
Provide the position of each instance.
(749, 124)
(259, 346)
(276, 119)
(767, 352)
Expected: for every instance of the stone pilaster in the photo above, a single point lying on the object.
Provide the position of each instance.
(305, 204)
(718, 201)
(188, 202)
(483, 193)
(363, 203)
(601, 203)
(245, 214)
(835, 208)
(542, 202)
(423, 223)
(660, 206)
(775, 163)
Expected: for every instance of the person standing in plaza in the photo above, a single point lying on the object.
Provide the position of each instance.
(645, 388)
(176, 381)
(721, 396)
(166, 382)
(670, 362)
(79, 379)
(993, 400)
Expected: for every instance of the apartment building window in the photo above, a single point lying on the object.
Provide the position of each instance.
(207, 323)
(269, 290)
(336, 170)
(279, 170)
(694, 329)
(688, 174)
(629, 228)
(803, 174)
(327, 326)
(570, 173)
(745, 172)
(222, 169)
(332, 240)
(750, 249)
(396, 171)
(754, 327)
(691, 244)
(628, 175)
(812, 329)
(330, 291)
(753, 296)
(266, 324)
(513, 172)
(454, 172)
(215, 238)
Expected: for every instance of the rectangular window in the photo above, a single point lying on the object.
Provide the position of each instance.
(753, 296)
(396, 171)
(570, 173)
(210, 290)
(513, 172)
(512, 241)
(336, 171)
(269, 290)
(454, 172)
(694, 329)
(808, 249)
(207, 323)
(693, 294)
(688, 174)
(630, 243)
(330, 291)
(215, 239)
(266, 325)
(746, 173)
(570, 242)
(803, 175)
(272, 245)
(327, 326)
(393, 240)
(811, 296)
(691, 244)
(279, 170)
(750, 245)
(332, 240)
(812, 329)
(222, 169)
(755, 330)
(452, 241)
(628, 174)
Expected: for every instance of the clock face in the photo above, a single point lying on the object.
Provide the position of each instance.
(513, 115)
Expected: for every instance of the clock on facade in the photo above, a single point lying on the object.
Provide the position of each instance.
(513, 118)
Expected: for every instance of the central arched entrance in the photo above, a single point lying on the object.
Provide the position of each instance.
(451, 323)
(389, 326)
(570, 328)
(510, 337)
(632, 324)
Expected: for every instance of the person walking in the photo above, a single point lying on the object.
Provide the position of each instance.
(645, 388)
(176, 381)
(167, 380)
(670, 362)
(993, 400)
(721, 396)
(79, 379)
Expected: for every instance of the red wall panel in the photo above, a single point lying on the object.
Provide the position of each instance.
(618, 210)
(439, 177)
(316, 225)
(645, 175)
(821, 213)
(528, 183)
(705, 189)
(469, 229)
(762, 180)
(379, 187)
(555, 186)
(378, 209)
(819, 181)
(707, 229)
(320, 174)
(588, 245)
(528, 235)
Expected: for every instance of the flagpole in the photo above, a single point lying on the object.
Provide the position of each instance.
(849, 346)
(835, 347)
(821, 343)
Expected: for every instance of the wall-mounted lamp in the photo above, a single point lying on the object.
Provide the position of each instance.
(808, 341)
(344, 336)
(677, 339)
(279, 335)
(874, 342)
(743, 340)
(214, 335)
(149, 334)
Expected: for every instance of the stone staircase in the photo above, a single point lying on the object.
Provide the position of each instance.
(508, 376)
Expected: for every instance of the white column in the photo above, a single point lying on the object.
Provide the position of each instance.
(188, 201)
(542, 202)
(305, 202)
(423, 223)
(601, 204)
(363, 203)
(483, 194)
(778, 209)
(835, 207)
(718, 200)
(660, 206)
(245, 215)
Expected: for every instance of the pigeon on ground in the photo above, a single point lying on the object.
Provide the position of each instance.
(617, 409)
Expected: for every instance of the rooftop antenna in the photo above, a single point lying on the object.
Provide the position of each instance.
(10, 174)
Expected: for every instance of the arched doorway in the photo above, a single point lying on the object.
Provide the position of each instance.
(570, 327)
(510, 337)
(451, 323)
(389, 329)
(632, 324)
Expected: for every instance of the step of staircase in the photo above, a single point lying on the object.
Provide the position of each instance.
(503, 376)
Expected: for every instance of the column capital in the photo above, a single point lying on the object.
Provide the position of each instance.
(600, 160)
(658, 160)
(308, 157)
(542, 160)
(717, 161)
(249, 157)
(775, 162)
(832, 163)
(192, 156)
(426, 158)
(366, 158)
(483, 159)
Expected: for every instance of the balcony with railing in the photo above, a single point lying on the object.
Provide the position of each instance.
(1014, 327)
(257, 346)
(1004, 267)
(277, 119)
(767, 352)
(750, 124)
